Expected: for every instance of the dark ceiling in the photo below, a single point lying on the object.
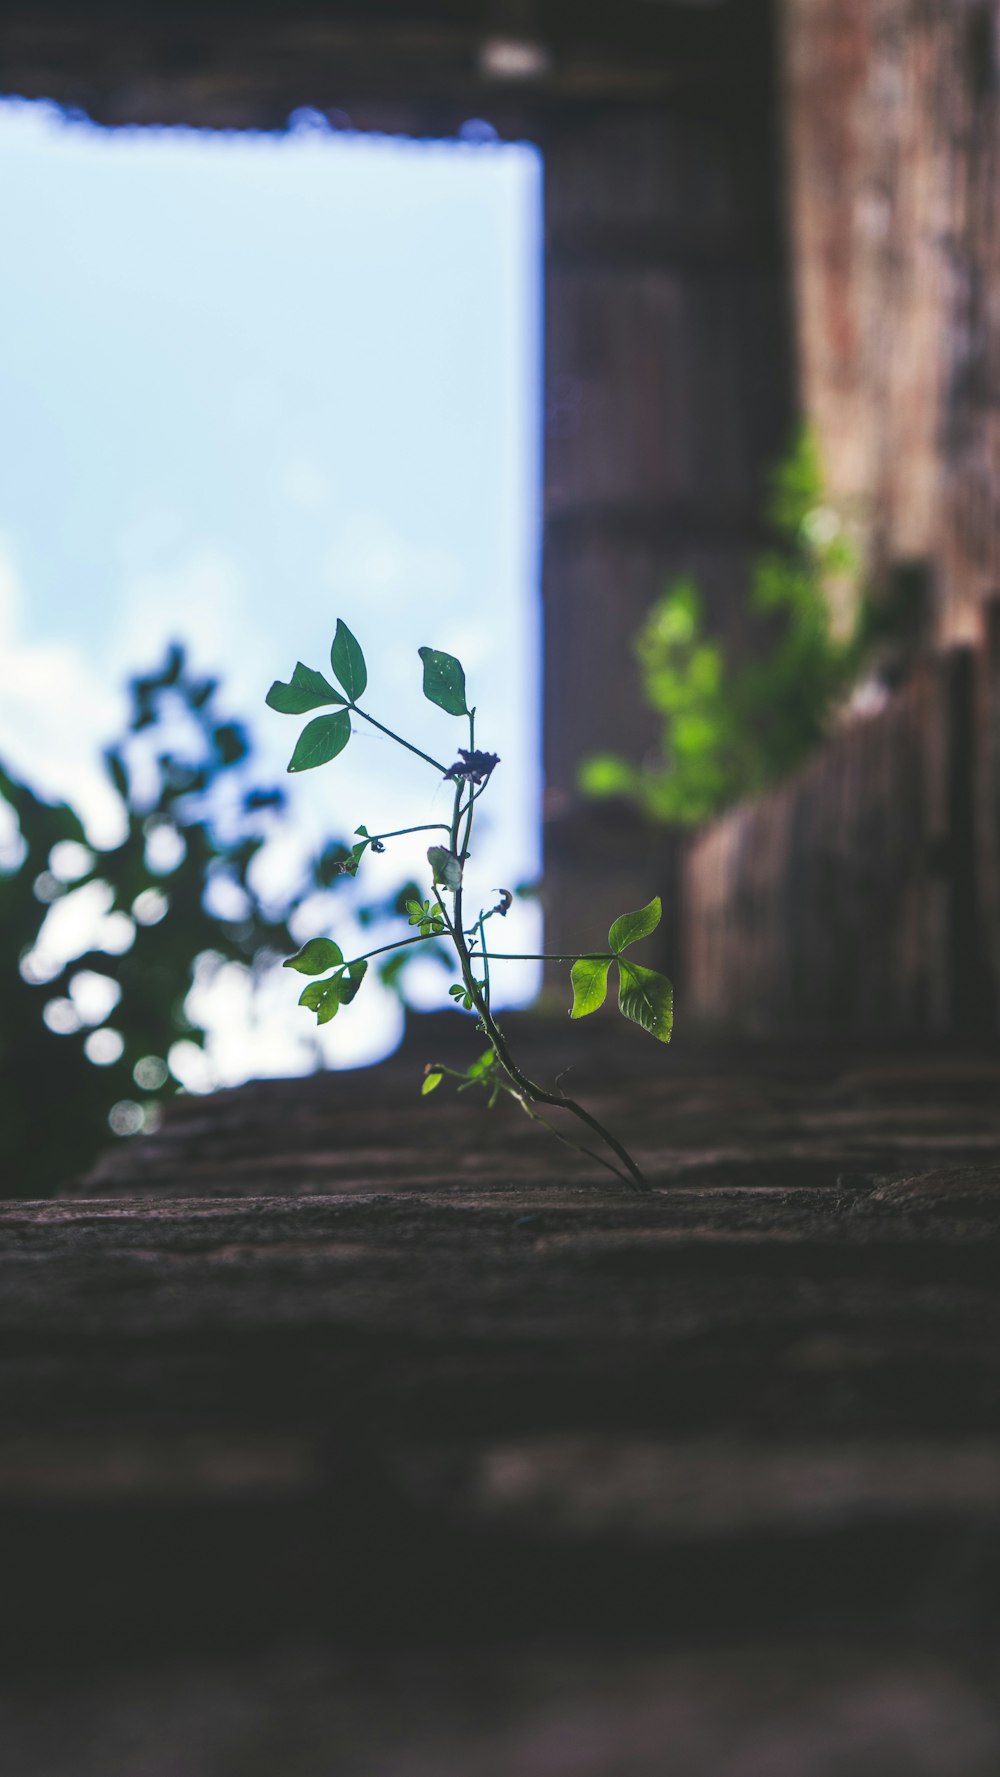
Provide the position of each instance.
(384, 64)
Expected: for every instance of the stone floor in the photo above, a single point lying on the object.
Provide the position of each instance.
(346, 1431)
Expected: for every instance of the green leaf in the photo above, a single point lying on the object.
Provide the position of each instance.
(323, 997)
(445, 865)
(430, 922)
(348, 663)
(321, 741)
(589, 976)
(461, 995)
(351, 980)
(307, 690)
(431, 1082)
(483, 1065)
(315, 957)
(647, 998)
(444, 681)
(632, 926)
(350, 865)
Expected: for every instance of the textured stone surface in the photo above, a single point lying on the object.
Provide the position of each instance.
(346, 1431)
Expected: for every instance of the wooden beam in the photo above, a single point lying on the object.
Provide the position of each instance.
(248, 64)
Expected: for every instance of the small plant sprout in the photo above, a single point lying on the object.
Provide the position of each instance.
(644, 996)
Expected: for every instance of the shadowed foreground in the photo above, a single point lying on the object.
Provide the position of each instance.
(350, 1432)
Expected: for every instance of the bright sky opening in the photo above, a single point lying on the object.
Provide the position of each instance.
(250, 384)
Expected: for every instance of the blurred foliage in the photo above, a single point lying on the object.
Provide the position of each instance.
(182, 887)
(731, 731)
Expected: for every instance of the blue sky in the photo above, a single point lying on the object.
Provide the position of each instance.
(249, 384)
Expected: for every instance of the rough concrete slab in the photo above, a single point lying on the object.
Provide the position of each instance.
(345, 1431)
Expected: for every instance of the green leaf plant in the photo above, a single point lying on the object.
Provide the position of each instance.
(644, 996)
(731, 727)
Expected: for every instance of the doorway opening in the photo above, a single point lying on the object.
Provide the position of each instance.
(249, 384)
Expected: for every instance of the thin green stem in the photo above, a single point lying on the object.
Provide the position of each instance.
(399, 739)
(401, 943)
(495, 1085)
(428, 827)
(575, 1147)
(528, 1089)
(548, 956)
(465, 814)
(463, 854)
(528, 1092)
(486, 962)
(455, 819)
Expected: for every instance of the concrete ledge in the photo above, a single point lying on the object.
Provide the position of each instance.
(443, 1402)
